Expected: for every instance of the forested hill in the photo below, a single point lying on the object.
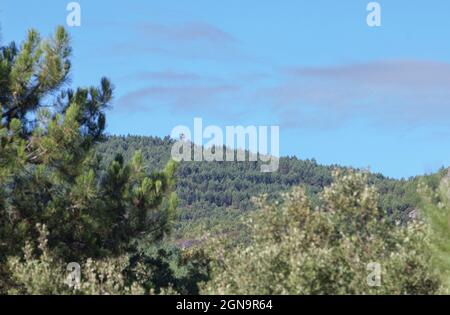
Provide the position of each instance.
(216, 193)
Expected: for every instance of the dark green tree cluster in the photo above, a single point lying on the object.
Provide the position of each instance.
(214, 196)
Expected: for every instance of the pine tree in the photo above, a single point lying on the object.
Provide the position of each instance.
(49, 172)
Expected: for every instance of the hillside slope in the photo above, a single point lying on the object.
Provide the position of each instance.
(213, 195)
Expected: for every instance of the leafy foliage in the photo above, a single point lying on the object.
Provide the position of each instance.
(298, 249)
(436, 211)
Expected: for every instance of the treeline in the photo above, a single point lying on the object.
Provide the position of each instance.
(214, 195)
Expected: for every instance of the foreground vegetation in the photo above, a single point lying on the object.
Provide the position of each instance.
(70, 194)
(296, 248)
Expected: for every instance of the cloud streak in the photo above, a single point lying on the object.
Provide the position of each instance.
(164, 76)
(400, 94)
(185, 40)
(404, 93)
(392, 73)
(178, 98)
(188, 31)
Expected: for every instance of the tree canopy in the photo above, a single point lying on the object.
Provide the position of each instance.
(51, 176)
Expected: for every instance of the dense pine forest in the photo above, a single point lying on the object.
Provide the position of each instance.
(213, 196)
(136, 222)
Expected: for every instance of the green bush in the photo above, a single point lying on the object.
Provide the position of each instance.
(298, 249)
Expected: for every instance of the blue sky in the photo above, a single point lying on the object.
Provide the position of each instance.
(341, 92)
